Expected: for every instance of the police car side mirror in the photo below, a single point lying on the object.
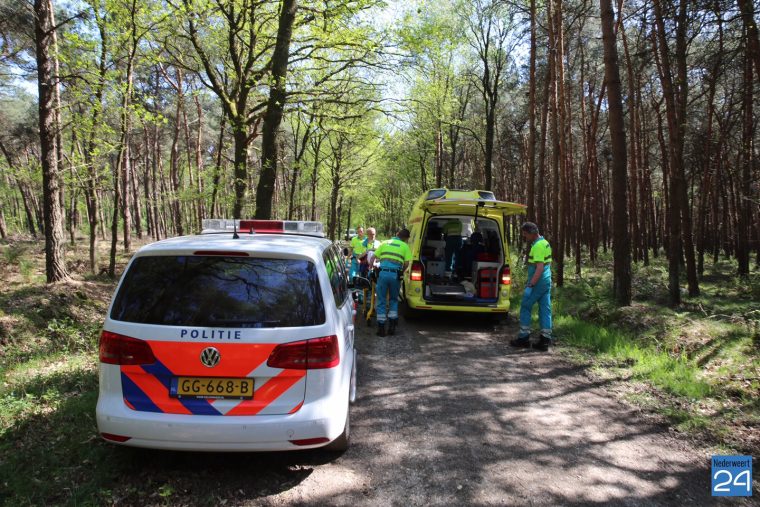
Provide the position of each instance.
(361, 283)
(345, 252)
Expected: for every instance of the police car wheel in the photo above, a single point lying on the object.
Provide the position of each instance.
(340, 444)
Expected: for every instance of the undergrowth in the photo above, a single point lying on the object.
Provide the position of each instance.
(703, 356)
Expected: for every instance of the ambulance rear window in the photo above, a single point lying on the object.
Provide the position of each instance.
(220, 292)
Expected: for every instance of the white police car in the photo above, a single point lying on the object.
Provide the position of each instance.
(231, 341)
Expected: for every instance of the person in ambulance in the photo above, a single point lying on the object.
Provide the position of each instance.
(238, 339)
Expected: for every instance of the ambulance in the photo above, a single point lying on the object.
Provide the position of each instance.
(460, 256)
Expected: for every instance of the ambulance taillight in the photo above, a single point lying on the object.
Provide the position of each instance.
(506, 276)
(416, 272)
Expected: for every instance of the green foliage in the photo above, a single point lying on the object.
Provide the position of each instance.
(72, 336)
(702, 358)
(676, 374)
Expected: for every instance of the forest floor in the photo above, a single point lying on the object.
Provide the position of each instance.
(698, 365)
(627, 409)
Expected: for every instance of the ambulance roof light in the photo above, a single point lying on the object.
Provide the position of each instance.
(217, 225)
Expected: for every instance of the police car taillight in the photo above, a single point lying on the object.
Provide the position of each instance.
(416, 271)
(115, 438)
(506, 276)
(119, 349)
(313, 354)
(212, 225)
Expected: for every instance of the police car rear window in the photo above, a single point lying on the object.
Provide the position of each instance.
(220, 292)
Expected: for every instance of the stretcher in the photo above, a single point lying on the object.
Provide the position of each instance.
(368, 297)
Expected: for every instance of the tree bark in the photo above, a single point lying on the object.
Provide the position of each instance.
(744, 211)
(675, 152)
(55, 263)
(621, 238)
(747, 9)
(217, 170)
(532, 115)
(273, 114)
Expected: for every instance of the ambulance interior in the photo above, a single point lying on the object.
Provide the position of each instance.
(474, 258)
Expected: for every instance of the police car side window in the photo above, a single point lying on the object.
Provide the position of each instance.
(343, 275)
(333, 273)
(336, 270)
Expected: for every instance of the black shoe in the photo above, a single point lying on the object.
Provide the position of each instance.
(542, 344)
(520, 342)
(392, 326)
(381, 329)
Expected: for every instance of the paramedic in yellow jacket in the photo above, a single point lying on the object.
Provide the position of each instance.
(537, 290)
(394, 256)
(357, 250)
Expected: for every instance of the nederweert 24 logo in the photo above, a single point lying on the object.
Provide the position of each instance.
(731, 475)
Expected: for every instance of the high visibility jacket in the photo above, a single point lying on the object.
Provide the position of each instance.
(540, 251)
(357, 245)
(393, 253)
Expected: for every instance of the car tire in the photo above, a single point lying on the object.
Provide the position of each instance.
(340, 444)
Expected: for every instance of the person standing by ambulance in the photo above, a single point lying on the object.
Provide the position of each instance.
(357, 249)
(537, 290)
(394, 256)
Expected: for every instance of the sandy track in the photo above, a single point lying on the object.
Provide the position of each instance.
(449, 414)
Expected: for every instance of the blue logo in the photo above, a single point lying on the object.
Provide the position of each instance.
(731, 476)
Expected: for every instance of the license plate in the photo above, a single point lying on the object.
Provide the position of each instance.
(217, 388)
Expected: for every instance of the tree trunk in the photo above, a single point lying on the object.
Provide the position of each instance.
(621, 238)
(114, 222)
(3, 228)
(200, 205)
(135, 186)
(218, 169)
(747, 9)
(675, 152)
(273, 114)
(744, 211)
(174, 175)
(55, 263)
(240, 142)
(532, 116)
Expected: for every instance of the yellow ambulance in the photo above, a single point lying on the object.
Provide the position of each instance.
(460, 256)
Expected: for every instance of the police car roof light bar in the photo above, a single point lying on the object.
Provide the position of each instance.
(262, 226)
(304, 227)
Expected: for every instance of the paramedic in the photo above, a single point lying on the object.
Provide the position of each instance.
(537, 290)
(357, 249)
(394, 256)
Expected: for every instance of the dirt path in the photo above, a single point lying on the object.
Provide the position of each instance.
(449, 414)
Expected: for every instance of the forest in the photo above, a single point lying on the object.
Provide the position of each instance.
(626, 127)
(629, 130)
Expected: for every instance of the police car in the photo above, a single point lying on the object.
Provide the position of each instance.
(238, 339)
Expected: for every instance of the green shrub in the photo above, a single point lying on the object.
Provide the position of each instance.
(70, 336)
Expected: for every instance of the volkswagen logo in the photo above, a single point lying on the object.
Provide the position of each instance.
(210, 357)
